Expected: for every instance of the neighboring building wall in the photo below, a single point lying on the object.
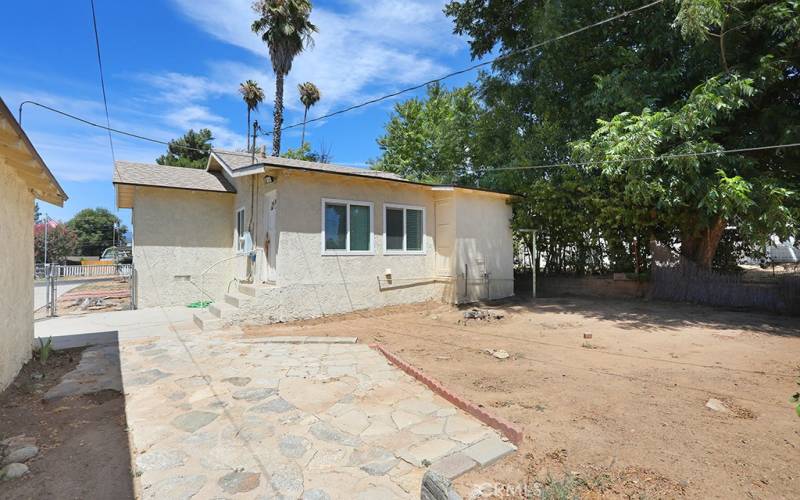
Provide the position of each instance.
(310, 284)
(16, 275)
(178, 234)
(484, 244)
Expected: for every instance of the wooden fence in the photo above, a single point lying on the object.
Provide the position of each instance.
(676, 278)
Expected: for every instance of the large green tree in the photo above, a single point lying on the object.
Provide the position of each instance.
(190, 151)
(433, 138)
(286, 28)
(94, 228)
(688, 76)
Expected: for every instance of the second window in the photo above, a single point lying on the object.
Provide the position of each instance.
(404, 229)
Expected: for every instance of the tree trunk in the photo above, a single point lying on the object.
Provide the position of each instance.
(303, 136)
(277, 115)
(248, 129)
(700, 248)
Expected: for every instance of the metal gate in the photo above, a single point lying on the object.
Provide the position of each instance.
(57, 277)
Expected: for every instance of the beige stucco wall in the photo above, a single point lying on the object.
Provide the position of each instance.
(179, 234)
(484, 244)
(16, 274)
(313, 284)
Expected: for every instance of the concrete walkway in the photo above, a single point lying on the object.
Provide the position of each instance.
(114, 326)
(40, 291)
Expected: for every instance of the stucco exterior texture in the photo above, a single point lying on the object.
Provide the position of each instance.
(463, 231)
(16, 275)
(182, 246)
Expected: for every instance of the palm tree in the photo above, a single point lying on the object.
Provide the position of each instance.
(285, 27)
(252, 96)
(309, 96)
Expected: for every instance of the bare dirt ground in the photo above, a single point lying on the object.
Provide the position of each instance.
(622, 414)
(102, 295)
(82, 440)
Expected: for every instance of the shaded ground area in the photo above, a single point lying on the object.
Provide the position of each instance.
(82, 440)
(620, 414)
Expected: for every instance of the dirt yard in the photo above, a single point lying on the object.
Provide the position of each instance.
(82, 440)
(101, 295)
(622, 414)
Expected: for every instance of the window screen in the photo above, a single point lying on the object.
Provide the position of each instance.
(335, 227)
(413, 230)
(394, 229)
(240, 230)
(359, 228)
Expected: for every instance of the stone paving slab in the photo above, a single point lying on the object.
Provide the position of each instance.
(290, 339)
(489, 450)
(214, 417)
(454, 465)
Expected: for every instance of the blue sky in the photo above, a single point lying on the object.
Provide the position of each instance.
(175, 64)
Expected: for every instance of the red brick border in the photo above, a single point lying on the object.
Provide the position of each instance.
(511, 431)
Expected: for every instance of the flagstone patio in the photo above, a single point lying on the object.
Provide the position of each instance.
(214, 417)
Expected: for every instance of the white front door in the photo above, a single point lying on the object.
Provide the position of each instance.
(271, 241)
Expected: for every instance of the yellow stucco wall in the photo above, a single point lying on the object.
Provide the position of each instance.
(16, 274)
(177, 235)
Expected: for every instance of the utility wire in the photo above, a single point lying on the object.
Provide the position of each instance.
(334, 113)
(492, 169)
(102, 82)
(471, 68)
(641, 158)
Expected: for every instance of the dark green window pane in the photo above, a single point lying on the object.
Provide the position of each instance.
(359, 228)
(394, 229)
(413, 229)
(335, 227)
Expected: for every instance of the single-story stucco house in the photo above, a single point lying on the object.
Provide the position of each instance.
(25, 178)
(273, 239)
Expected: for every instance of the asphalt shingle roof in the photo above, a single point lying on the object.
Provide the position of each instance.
(145, 174)
(236, 161)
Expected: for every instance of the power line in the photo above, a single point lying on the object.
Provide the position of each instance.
(471, 68)
(641, 158)
(492, 169)
(102, 82)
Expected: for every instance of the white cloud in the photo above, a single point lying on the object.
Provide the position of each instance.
(368, 47)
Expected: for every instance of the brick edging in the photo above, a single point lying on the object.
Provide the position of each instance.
(511, 431)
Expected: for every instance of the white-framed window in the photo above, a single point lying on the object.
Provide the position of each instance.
(347, 227)
(240, 230)
(403, 230)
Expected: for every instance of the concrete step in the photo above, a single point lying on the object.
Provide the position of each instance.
(222, 310)
(250, 290)
(207, 321)
(236, 299)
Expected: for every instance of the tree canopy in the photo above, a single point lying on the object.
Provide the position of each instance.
(61, 242)
(94, 228)
(621, 105)
(190, 151)
(432, 139)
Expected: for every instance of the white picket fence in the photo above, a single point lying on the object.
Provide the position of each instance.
(88, 271)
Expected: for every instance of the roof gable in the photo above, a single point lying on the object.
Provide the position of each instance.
(17, 151)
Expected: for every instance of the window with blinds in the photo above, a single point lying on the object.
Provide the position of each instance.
(346, 227)
(404, 229)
